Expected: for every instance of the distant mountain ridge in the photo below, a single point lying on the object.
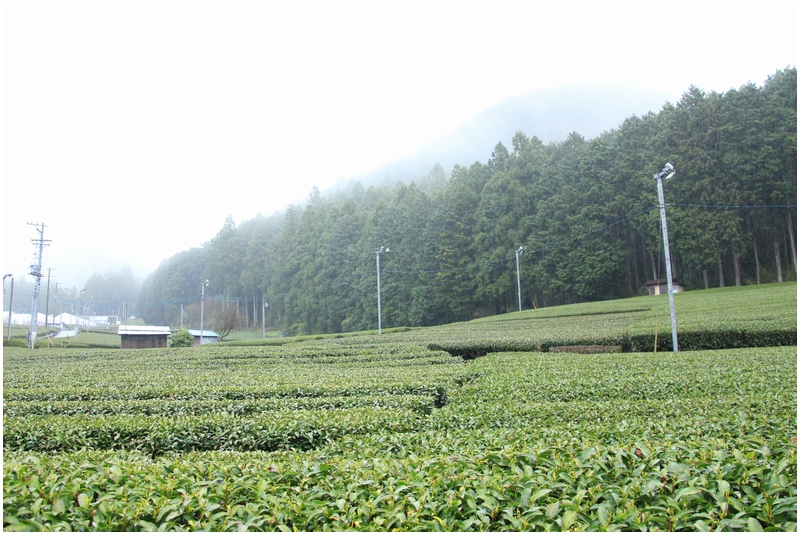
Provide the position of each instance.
(549, 114)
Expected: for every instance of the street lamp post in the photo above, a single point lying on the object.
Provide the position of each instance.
(80, 309)
(264, 319)
(378, 254)
(47, 306)
(669, 171)
(10, 301)
(202, 304)
(91, 314)
(519, 289)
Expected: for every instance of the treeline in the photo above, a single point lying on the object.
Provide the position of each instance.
(102, 295)
(586, 212)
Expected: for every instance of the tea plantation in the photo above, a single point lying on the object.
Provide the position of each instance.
(553, 419)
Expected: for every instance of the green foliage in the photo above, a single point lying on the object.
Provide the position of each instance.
(177, 280)
(356, 435)
(749, 316)
(584, 208)
(182, 339)
(110, 290)
(14, 342)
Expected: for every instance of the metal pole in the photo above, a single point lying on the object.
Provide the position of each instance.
(378, 268)
(10, 308)
(47, 306)
(10, 303)
(60, 304)
(662, 206)
(202, 304)
(80, 309)
(519, 289)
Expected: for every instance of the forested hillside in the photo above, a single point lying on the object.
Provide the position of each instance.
(586, 211)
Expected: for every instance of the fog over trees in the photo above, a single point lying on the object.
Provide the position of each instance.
(105, 294)
(585, 209)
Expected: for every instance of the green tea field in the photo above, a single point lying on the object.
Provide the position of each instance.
(574, 418)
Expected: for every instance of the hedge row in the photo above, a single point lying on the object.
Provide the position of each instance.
(689, 341)
(288, 430)
(727, 486)
(424, 404)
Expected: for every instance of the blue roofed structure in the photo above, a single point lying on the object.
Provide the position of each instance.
(208, 337)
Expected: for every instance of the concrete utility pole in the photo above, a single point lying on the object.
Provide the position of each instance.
(36, 271)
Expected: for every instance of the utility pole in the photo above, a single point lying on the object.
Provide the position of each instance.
(80, 308)
(47, 307)
(10, 301)
(58, 300)
(36, 271)
(91, 313)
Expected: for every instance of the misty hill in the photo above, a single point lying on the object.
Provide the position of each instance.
(551, 115)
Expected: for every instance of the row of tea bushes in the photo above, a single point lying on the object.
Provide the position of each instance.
(610, 340)
(424, 403)
(184, 400)
(200, 374)
(381, 433)
(704, 486)
(284, 430)
(748, 316)
(720, 338)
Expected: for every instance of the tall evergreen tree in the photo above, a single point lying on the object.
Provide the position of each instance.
(586, 210)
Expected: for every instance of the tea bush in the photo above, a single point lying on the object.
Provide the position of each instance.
(394, 433)
(182, 338)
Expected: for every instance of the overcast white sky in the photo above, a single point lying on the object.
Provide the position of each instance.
(133, 129)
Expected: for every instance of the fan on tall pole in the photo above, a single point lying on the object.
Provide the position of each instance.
(519, 288)
(669, 171)
(202, 304)
(378, 254)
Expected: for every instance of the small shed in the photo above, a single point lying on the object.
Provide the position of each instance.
(143, 336)
(208, 337)
(660, 286)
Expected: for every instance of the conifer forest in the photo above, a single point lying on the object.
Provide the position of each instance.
(586, 212)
